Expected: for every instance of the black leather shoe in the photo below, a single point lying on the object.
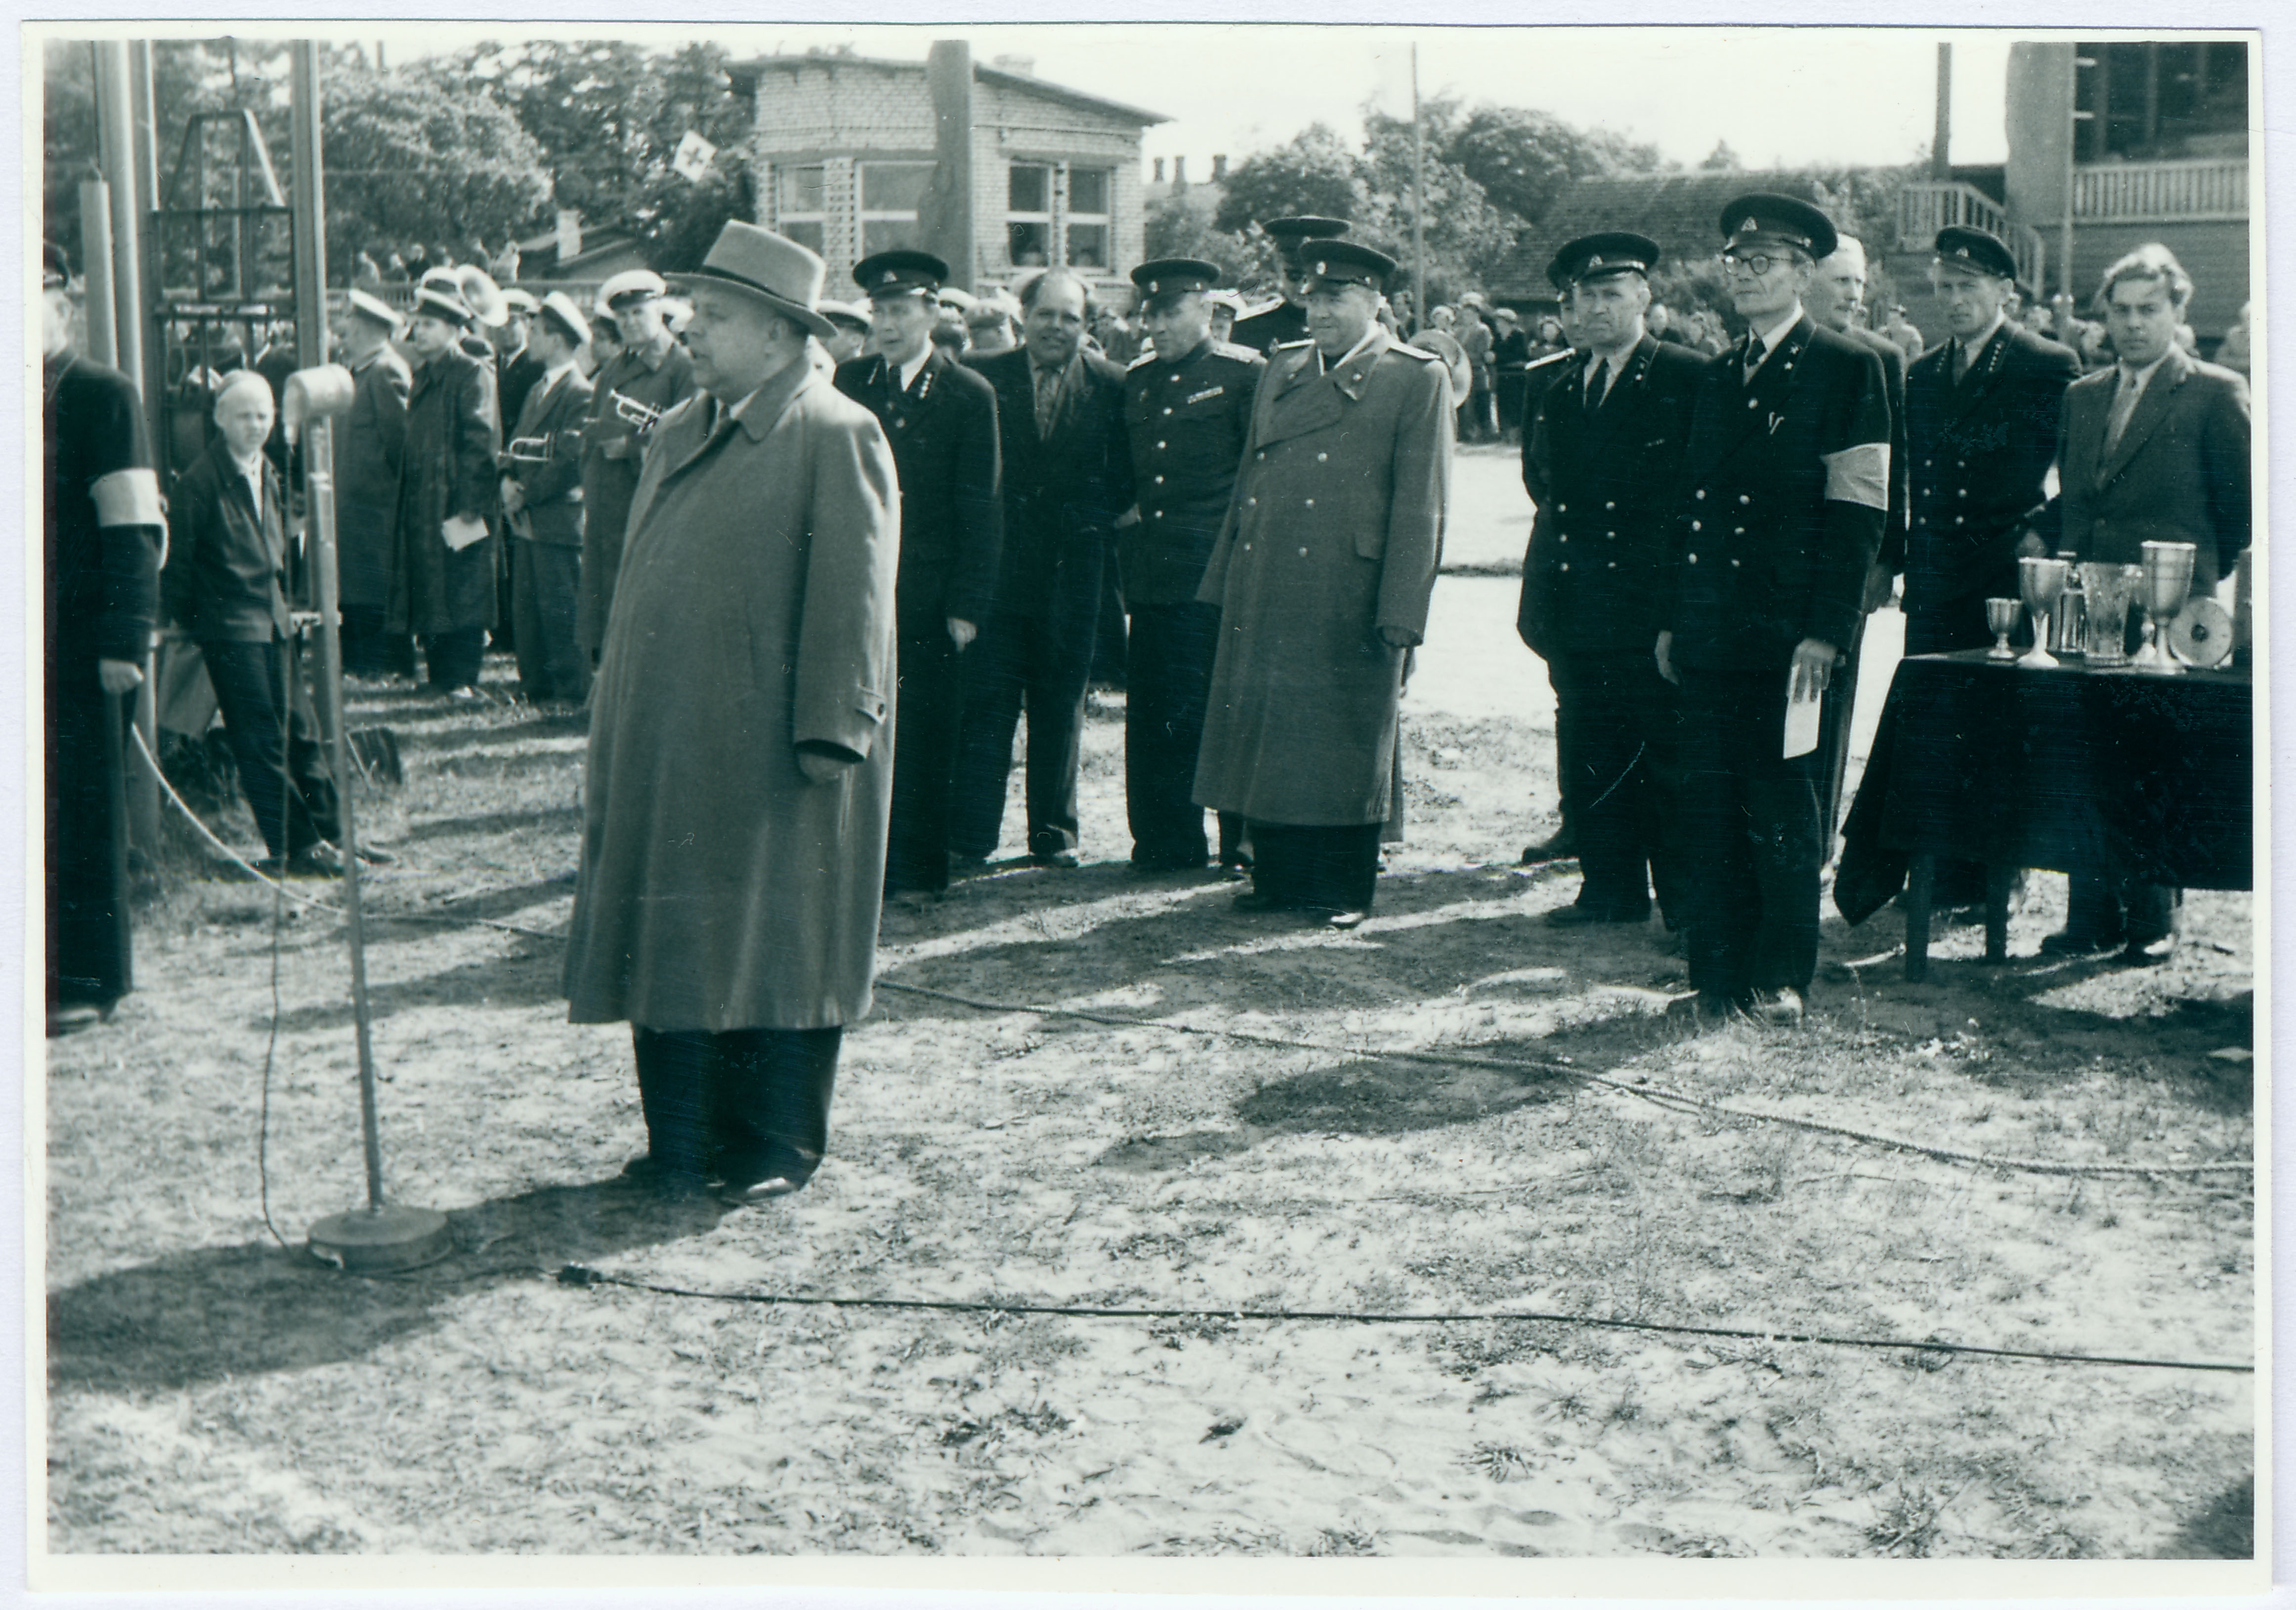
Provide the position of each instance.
(71, 1019)
(1346, 922)
(1161, 865)
(1580, 915)
(1060, 861)
(2148, 953)
(1707, 1009)
(1254, 901)
(1561, 845)
(1236, 871)
(2066, 942)
(318, 860)
(1780, 1008)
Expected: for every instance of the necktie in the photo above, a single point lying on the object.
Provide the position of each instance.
(1048, 399)
(1598, 384)
(1754, 354)
(2124, 405)
(1961, 360)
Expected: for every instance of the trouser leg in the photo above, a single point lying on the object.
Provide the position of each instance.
(310, 759)
(928, 713)
(1714, 833)
(455, 657)
(995, 678)
(1169, 665)
(1059, 671)
(677, 1071)
(525, 616)
(363, 640)
(249, 688)
(1330, 868)
(1789, 854)
(558, 597)
(1836, 712)
(772, 1106)
(2092, 909)
(1607, 779)
(89, 951)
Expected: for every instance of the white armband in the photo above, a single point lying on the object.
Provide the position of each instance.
(1858, 475)
(128, 497)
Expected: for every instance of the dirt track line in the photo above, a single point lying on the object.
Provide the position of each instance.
(577, 1274)
(1657, 1094)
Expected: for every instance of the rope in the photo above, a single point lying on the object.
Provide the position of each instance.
(576, 1274)
(193, 817)
(1658, 1095)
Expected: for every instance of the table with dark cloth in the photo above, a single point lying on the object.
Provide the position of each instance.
(2114, 773)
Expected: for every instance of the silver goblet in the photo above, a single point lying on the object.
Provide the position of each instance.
(2001, 620)
(2168, 579)
(2040, 581)
(2111, 588)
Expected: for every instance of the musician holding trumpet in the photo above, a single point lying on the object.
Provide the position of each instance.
(652, 375)
(542, 503)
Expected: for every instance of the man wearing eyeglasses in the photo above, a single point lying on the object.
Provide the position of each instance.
(1785, 490)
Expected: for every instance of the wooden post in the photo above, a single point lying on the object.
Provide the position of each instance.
(1942, 140)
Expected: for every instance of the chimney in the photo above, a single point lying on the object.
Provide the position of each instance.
(1026, 66)
(1158, 179)
(1179, 173)
(1219, 169)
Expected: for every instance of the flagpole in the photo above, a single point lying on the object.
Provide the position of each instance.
(1418, 199)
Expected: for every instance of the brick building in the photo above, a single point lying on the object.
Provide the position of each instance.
(989, 166)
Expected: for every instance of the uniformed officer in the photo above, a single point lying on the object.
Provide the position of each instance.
(1287, 321)
(1601, 460)
(1187, 408)
(1322, 573)
(650, 375)
(1787, 484)
(940, 418)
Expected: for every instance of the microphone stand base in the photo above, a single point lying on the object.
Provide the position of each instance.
(376, 1241)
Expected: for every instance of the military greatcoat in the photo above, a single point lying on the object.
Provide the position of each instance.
(369, 448)
(448, 471)
(1333, 532)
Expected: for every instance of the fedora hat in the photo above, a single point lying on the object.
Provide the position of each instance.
(773, 268)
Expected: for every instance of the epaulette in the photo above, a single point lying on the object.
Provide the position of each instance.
(1553, 357)
(1144, 360)
(1241, 354)
(1421, 353)
(1305, 341)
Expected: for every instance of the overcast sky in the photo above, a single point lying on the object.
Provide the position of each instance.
(1779, 96)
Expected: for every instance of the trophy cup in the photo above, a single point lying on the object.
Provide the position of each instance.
(2001, 620)
(2040, 580)
(2111, 588)
(2167, 578)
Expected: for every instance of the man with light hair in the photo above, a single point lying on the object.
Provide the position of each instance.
(740, 767)
(1785, 489)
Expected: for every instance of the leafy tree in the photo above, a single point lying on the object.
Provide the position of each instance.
(1179, 224)
(1721, 160)
(1465, 236)
(1313, 172)
(1522, 158)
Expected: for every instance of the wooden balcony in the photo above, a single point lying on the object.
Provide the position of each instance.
(2134, 193)
(1925, 206)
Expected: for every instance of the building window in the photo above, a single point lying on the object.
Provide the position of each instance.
(1029, 215)
(1088, 213)
(891, 195)
(2162, 102)
(802, 208)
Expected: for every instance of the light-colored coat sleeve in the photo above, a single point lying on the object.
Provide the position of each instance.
(845, 671)
(1418, 503)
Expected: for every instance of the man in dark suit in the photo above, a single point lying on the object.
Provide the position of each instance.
(1287, 321)
(1836, 298)
(518, 368)
(1981, 411)
(1602, 461)
(1187, 406)
(940, 418)
(223, 586)
(542, 501)
(370, 442)
(1068, 475)
(1786, 489)
(2154, 449)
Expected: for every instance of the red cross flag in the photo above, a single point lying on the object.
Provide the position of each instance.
(693, 156)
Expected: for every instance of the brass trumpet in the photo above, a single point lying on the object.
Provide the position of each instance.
(641, 415)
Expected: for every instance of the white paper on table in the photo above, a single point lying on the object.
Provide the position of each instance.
(461, 531)
(1802, 720)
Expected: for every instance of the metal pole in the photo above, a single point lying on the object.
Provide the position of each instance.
(2072, 149)
(307, 197)
(1418, 199)
(1941, 138)
(97, 306)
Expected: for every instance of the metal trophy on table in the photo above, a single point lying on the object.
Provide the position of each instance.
(2001, 620)
(2111, 588)
(2167, 579)
(2040, 581)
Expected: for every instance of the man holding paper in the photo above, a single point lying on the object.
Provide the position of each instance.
(1786, 488)
(444, 588)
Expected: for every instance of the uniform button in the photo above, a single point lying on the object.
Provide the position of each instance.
(1160, 514)
(1562, 508)
(1697, 525)
(1247, 548)
(1250, 503)
(1564, 565)
(1738, 530)
(1311, 503)
(1159, 448)
(1613, 536)
(1957, 520)
(1753, 402)
(1303, 553)
(1321, 457)
(1159, 480)
(1613, 564)
(1733, 564)
(1562, 540)
(1743, 500)
(1168, 410)
(1701, 494)
(1694, 559)
(1960, 491)
(1609, 505)
(1929, 464)
(1263, 455)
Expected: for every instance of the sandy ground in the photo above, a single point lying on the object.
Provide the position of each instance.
(211, 1391)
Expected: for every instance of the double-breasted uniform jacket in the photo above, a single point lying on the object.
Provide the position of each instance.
(1980, 451)
(369, 449)
(1898, 517)
(226, 555)
(612, 447)
(1333, 531)
(1187, 420)
(2179, 473)
(1604, 482)
(720, 889)
(943, 431)
(1785, 490)
(447, 471)
(515, 375)
(1062, 492)
(1280, 326)
(544, 456)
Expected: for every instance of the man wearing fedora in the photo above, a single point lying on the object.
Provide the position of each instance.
(1321, 574)
(1785, 488)
(848, 331)
(940, 418)
(650, 374)
(1600, 461)
(372, 448)
(443, 589)
(741, 771)
(542, 507)
(1187, 409)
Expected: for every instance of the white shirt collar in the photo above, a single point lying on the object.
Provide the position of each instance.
(556, 373)
(2141, 378)
(910, 371)
(1977, 343)
(1776, 333)
(251, 468)
(1352, 353)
